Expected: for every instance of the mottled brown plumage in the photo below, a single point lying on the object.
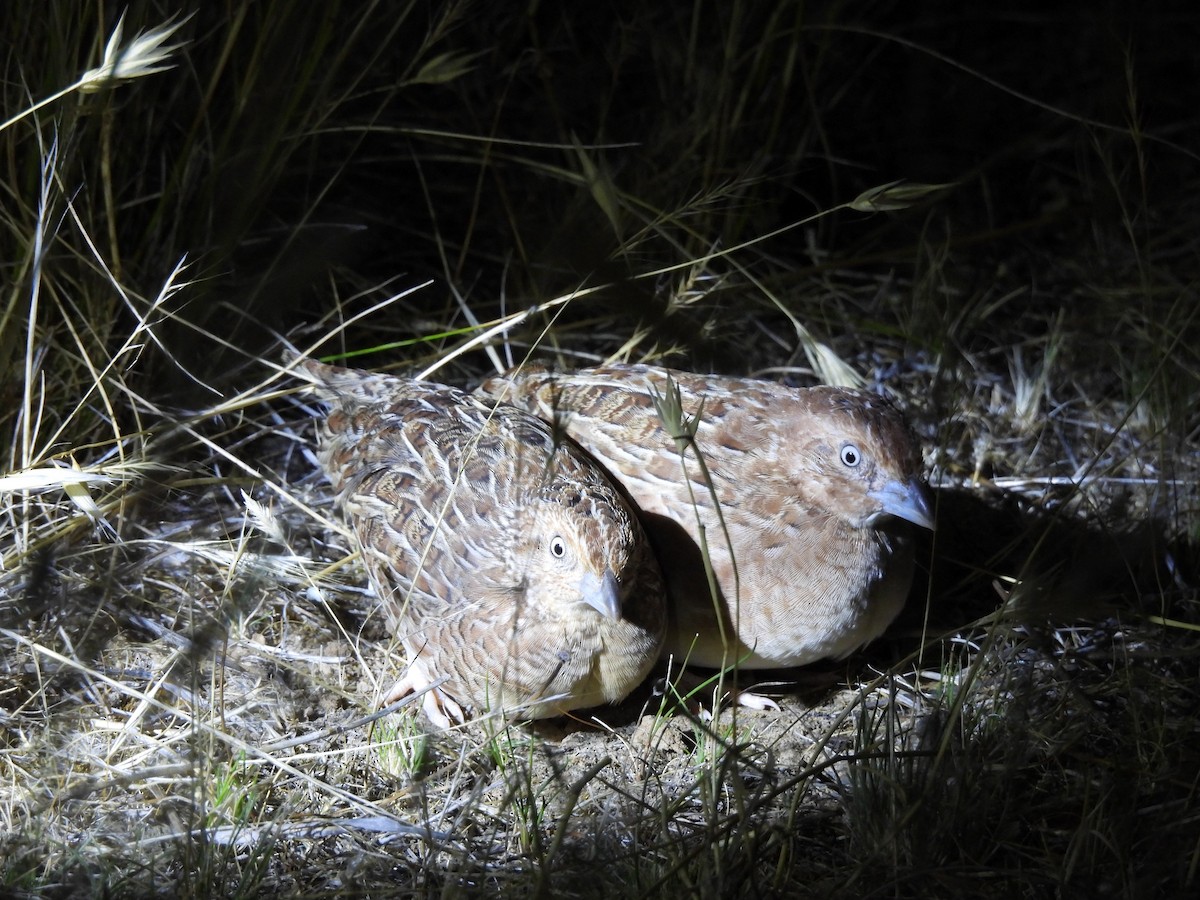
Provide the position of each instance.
(814, 485)
(504, 557)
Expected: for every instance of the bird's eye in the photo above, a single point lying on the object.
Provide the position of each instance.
(851, 456)
(558, 547)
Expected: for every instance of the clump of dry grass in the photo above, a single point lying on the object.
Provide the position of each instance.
(191, 667)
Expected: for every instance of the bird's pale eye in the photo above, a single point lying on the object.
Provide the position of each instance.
(851, 455)
(558, 547)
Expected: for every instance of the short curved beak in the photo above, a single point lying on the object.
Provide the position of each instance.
(908, 500)
(602, 593)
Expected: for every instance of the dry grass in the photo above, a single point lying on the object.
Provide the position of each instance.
(191, 668)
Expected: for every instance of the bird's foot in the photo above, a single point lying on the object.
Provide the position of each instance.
(751, 700)
(690, 688)
(438, 706)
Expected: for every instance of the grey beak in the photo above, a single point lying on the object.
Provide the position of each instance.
(908, 500)
(602, 593)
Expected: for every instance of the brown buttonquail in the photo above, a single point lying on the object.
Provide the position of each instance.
(819, 489)
(506, 560)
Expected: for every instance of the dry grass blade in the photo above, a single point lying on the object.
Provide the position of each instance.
(142, 56)
(895, 196)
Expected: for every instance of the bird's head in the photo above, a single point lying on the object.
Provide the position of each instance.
(863, 460)
(583, 544)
